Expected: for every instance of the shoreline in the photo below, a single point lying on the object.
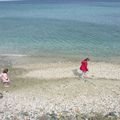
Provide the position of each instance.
(23, 59)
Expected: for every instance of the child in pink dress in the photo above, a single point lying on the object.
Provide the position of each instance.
(4, 78)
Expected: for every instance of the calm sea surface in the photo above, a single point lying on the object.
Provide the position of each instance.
(67, 30)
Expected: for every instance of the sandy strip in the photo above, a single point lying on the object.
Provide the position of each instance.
(71, 70)
(99, 94)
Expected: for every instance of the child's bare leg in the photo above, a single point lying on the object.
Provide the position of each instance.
(82, 76)
(85, 75)
(6, 84)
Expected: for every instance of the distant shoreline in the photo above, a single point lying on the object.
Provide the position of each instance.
(23, 59)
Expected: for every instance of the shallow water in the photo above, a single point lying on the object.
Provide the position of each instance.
(70, 31)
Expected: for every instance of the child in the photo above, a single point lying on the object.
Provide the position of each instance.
(83, 67)
(4, 78)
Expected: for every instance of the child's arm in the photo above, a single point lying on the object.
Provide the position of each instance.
(4, 76)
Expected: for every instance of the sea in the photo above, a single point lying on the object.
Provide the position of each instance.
(71, 31)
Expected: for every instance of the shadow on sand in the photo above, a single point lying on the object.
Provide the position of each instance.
(77, 73)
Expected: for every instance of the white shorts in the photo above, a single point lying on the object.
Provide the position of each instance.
(6, 81)
(81, 72)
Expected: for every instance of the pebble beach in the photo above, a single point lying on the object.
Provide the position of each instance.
(42, 44)
(56, 91)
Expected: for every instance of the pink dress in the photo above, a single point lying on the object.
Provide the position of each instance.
(4, 78)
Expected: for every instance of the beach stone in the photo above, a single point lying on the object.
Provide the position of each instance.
(84, 117)
(79, 117)
(65, 113)
(53, 116)
(96, 117)
(112, 114)
(71, 117)
(1, 95)
(44, 117)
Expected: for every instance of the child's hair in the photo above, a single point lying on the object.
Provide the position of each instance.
(5, 70)
(87, 59)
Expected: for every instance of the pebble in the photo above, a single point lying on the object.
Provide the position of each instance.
(21, 108)
(1, 95)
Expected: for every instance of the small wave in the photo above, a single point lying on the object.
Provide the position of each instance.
(13, 55)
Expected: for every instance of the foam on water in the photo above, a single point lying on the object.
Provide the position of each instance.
(13, 55)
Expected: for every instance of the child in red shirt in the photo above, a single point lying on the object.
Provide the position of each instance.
(83, 67)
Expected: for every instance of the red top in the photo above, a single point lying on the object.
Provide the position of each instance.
(83, 67)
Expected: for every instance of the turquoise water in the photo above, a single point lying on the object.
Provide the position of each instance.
(69, 30)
